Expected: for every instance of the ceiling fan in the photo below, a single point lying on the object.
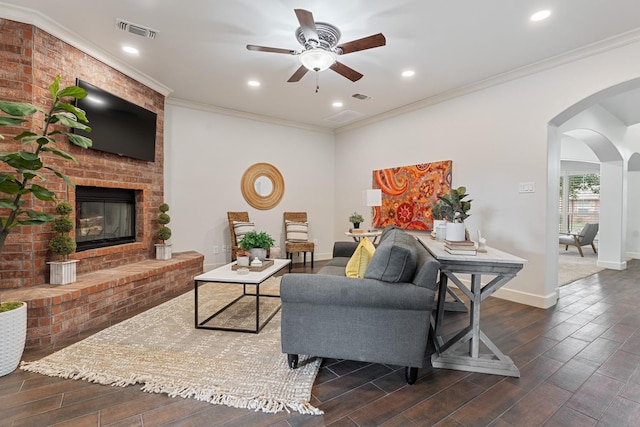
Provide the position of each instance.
(321, 49)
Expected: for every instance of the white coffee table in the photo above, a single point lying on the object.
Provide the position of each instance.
(226, 274)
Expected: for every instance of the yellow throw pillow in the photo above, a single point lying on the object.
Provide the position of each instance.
(360, 259)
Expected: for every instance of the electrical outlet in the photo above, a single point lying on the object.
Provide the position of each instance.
(216, 249)
(224, 248)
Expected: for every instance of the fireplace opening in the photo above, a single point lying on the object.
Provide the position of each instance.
(104, 217)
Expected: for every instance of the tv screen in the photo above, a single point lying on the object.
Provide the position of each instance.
(118, 126)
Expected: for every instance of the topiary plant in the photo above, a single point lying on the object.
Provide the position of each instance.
(62, 244)
(27, 165)
(164, 232)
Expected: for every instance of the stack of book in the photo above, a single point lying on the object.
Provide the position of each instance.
(464, 247)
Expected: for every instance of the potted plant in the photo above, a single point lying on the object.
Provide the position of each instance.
(63, 271)
(257, 243)
(27, 164)
(356, 219)
(13, 324)
(455, 210)
(163, 250)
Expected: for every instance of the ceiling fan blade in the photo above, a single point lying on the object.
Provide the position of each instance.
(345, 71)
(300, 72)
(271, 49)
(375, 40)
(307, 24)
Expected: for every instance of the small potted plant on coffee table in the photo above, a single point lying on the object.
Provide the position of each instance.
(64, 271)
(257, 243)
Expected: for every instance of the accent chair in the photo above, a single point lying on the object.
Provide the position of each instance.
(297, 237)
(583, 237)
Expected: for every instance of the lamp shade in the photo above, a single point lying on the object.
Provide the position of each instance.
(317, 59)
(373, 197)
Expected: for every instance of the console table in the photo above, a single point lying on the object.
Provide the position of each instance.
(462, 351)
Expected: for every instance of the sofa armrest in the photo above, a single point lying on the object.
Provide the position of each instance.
(344, 249)
(318, 289)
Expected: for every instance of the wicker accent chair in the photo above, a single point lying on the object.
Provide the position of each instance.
(292, 247)
(235, 216)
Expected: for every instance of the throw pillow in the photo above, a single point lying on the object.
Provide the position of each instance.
(297, 231)
(357, 264)
(241, 228)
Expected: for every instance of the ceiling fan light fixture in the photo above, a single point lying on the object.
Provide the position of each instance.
(317, 59)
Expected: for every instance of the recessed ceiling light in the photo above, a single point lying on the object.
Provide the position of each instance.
(337, 104)
(540, 15)
(408, 73)
(253, 83)
(130, 49)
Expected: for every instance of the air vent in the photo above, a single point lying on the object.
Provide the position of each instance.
(345, 116)
(136, 29)
(360, 96)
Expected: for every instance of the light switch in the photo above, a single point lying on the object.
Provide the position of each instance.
(527, 187)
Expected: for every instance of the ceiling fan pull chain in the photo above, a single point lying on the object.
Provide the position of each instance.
(317, 81)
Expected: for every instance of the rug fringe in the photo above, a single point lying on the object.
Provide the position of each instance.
(185, 391)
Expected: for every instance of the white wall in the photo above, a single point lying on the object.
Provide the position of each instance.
(205, 156)
(497, 138)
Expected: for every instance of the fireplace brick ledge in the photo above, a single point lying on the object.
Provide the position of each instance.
(97, 298)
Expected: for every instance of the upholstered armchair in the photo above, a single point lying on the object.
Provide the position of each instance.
(583, 237)
(297, 237)
(238, 225)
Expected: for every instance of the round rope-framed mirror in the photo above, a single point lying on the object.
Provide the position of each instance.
(262, 186)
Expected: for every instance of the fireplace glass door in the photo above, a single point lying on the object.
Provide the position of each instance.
(104, 217)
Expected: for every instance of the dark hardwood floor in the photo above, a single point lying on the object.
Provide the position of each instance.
(579, 364)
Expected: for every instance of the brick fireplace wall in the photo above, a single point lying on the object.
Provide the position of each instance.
(31, 60)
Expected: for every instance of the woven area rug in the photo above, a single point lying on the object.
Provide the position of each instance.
(162, 350)
(572, 267)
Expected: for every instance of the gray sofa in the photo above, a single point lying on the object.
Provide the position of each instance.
(383, 318)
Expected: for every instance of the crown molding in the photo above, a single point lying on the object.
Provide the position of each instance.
(39, 20)
(601, 46)
(244, 115)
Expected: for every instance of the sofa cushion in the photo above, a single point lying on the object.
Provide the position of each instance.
(360, 259)
(395, 258)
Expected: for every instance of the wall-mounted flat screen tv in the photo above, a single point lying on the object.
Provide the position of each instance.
(118, 126)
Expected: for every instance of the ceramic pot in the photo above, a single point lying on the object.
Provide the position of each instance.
(163, 251)
(62, 272)
(13, 325)
(258, 252)
(455, 231)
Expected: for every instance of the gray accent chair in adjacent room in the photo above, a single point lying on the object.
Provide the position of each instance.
(382, 318)
(583, 237)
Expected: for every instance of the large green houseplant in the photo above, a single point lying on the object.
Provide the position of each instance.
(454, 209)
(21, 174)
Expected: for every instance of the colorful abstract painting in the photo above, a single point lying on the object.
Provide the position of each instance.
(409, 193)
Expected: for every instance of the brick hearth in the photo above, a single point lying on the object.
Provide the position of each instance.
(57, 312)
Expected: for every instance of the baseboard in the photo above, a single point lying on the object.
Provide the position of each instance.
(534, 300)
(633, 255)
(612, 265)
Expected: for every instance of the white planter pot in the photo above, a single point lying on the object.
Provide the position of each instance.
(163, 251)
(13, 325)
(258, 252)
(62, 272)
(440, 229)
(455, 231)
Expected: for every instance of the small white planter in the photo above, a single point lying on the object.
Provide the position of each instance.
(13, 325)
(260, 253)
(455, 231)
(62, 272)
(163, 251)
